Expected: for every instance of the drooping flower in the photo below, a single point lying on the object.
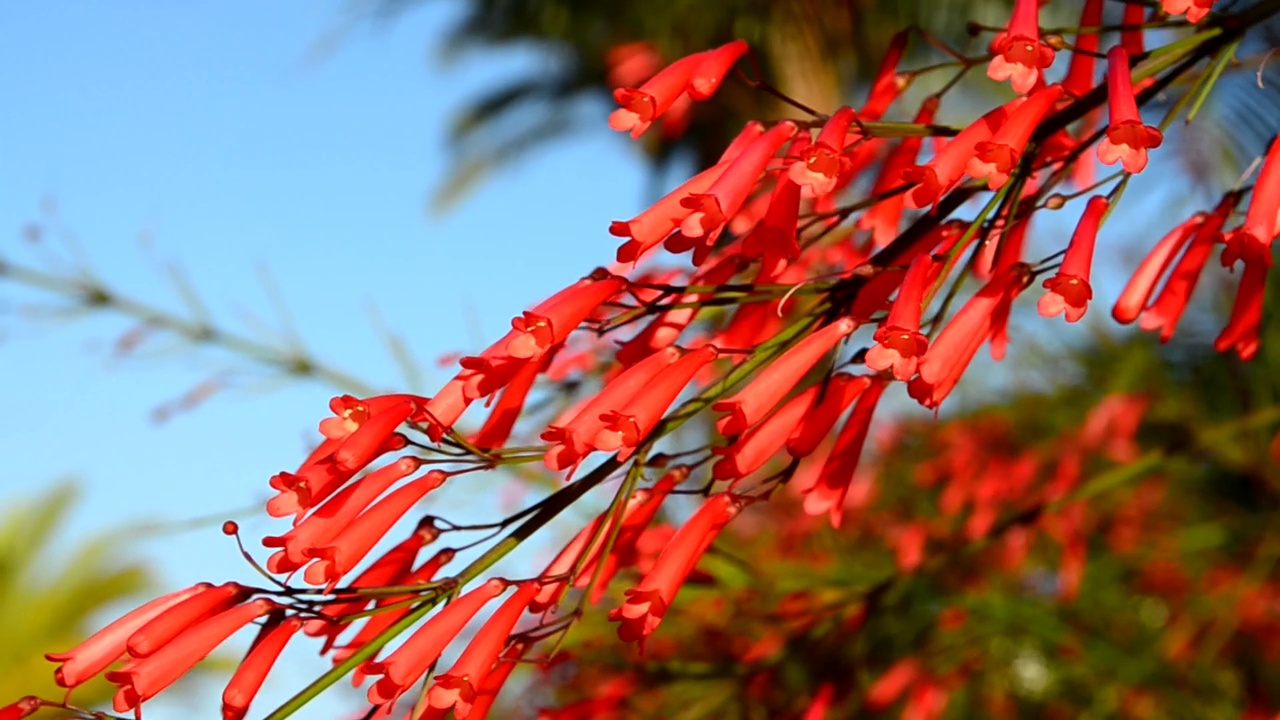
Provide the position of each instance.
(340, 555)
(1131, 33)
(1080, 72)
(952, 351)
(750, 404)
(252, 671)
(550, 323)
(390, 608)
(1252, 240)
(1242, 329)
(647, 603)
(175, 619)
(639, 107)
(887, 84)
(1069, 289)
(1195, 10)
(1166, 310)
(624, 552)
(945, 169)
(458, 687)
(104, 647)
(823, 162)
(773, 240)
(883, 218)
(409, 662)
(1127, 139)
(493, 681)
(834, 399)
(648, 229)
(1142, 284)
(827, 495)
(995, 159)
(665, 329)
(502, 418)
(142, 680)
(899, 342)
(1020, 55)
(25, 707)
(626, 427)
(716, 63)
(754, 447)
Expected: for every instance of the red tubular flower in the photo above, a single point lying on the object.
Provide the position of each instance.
(104, 647)
(820, 703)
(143, 680)
(827, 495)
(335, 515)
(883, 218)
(822, 163)
(941, 367)
(577, 551)
(365, 444)
(26, 707)
(625, 428)
(386, 570)
(994, 159)
(1127, 139)
(1167, 309)
(576, 438)
(839, 393)
(624, 552)
(648, 229)
(1069, 289)
(647, 603)
(1241, 332)
(550, 323)
(1080, 72)
(1195, 10)
(641, 106)
(886, 85)
(709, 211)
(167, 625)
(754, 448)
(502, 419)
(750, 404)
(1139, 288)
(893, 683)
(1252, 240)
(774, 238)
(340, 556)
(716, 63)
(252, 671)
(493, 681)
(899, 342)
(352, 413)
(665, 329)
(459, 686)
(409, 662)
(1131, 31)
(1020, 55)
(938, 176)
(384, 619)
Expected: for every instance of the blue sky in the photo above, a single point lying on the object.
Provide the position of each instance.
(231, 137)
(237, 136)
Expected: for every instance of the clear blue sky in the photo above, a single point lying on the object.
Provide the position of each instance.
(234, 136)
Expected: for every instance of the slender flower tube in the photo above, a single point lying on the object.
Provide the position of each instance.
(648, 602)
(341, 555)
(774, 238)
(497, 676)
(502, 419)
(665, 329)
(887, 84)
(577, 551)
(458, 687)
(550, 323)
(1080, 72)
(996, 158)
(715, 65)
(1131, 33)
(1252, 240)
(950, 354)
(1127, 139)
(386, 570)
(750, 404)
(1142, 284)
(576, 438)
(25, 707)
(167, 625)
(252, 671)
(754, 447)
(409, 662)
(1241, 332)
(823, 162)
(383, 619)
(624, 552)
(899, 342)
(943, 172)
(639, 107)
(143, 680)
(627, 427)
(840, 392)
(827, 495)
(883, 218)
(710, 210)
(1020, 55)
(648, 229)
(1195, 10)
(104, 647)
(1069, 289)
(1164, 313)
